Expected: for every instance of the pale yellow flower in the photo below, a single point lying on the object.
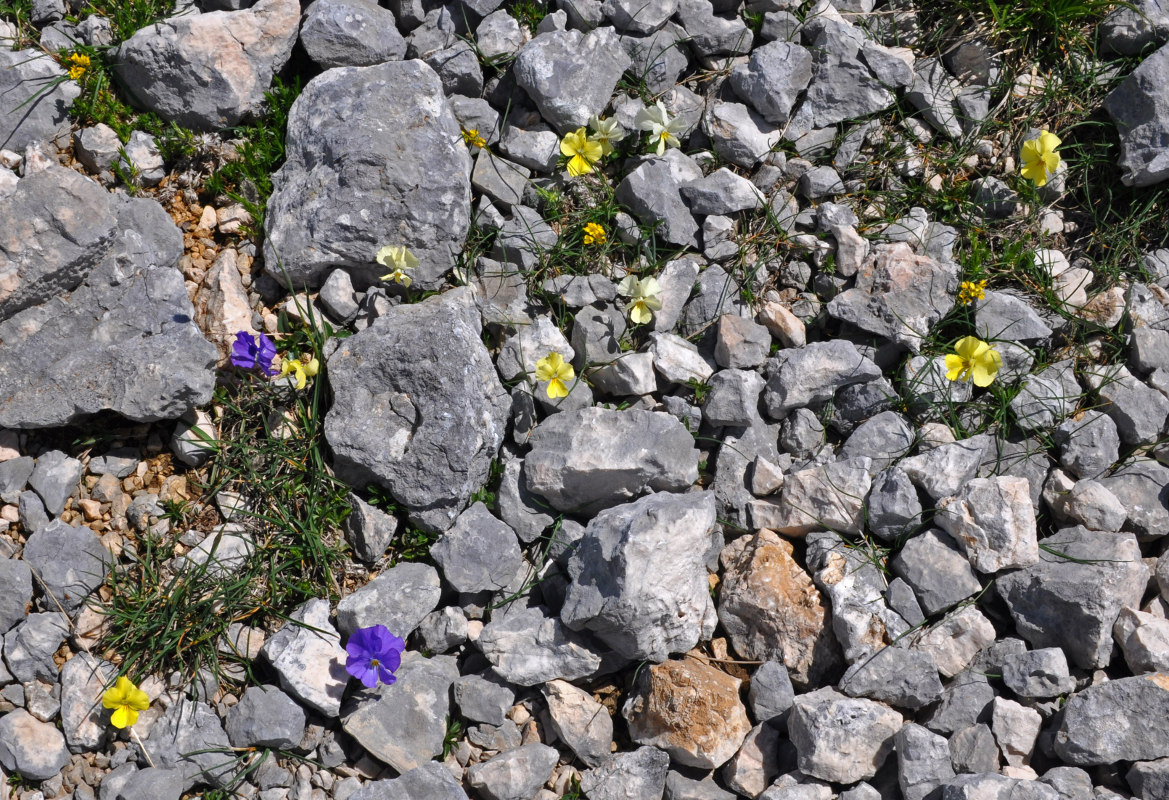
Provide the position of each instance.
(645, 294)
(126, 700)
(594, 234)
(398, 259)
(581, 152)
(301, 368)
(605, 132)
(663, 129)
(554, 369)
(1040, 161)
(973, 358)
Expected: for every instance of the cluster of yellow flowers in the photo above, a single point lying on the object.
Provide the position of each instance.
(80, 62)
(471, 138)
(594, 234)
(969, 291)
(583, 150)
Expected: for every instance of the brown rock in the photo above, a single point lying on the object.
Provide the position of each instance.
(690, 710)
(772, 610)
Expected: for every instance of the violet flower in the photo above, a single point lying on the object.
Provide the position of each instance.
(248, 353)
(374, 654)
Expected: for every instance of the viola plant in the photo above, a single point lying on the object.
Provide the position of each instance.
(645, 294)
(663, 129)
(557, 372)
(398, 259)
(303, 367)
(373, 655)
(253, 352)
(1040, 161)
(126, 700)
(581, 151)
(605, 133)
(973, 359)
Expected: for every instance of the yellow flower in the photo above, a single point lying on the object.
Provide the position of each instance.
(645, 294)
(594, 234)
(301, 368)
(471, 138)
(80, 63)
(605, 132)
(1040, 161)
(975, 359)
(581, 152)
(554, 369)
(126, 700)
(397, 259)
(969, 291)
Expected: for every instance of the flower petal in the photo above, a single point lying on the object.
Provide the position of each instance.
(123, 717)
(628, 286)
(1048, 141)
(954, 367)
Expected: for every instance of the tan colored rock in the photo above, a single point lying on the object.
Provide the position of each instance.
(783, 324)
(771, 609)
(579, 721)
(221, 303)
(690, 710)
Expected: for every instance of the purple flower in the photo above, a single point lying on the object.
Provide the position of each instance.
(247, 353)
(374, 654)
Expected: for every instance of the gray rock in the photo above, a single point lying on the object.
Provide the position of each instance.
(1140, 412)
(1131, 30)
(1047, 397)
(398, 598)
(527, 647)
(640, 774)
(965, 701)
(350, 33)
(1142, 487)
(861, 620)
(639, 16)
(956, 639)
(484, 697)
(1138, 108)
(738, 134)
(715, 294)
(499, 179)
(898, 295)
(443, 629)
(820, 182)
(1119, 720)
(1149, 778)
(801, 434)
(892, 507)
(942, 471)
(31, 511)
(1023, 459)
(822, 498)
(630, 374)
(812, 374)
(1062, 603)
(83, 681)
(1000, 315)
(926, 388)
(894, 675)
(265, 717)
(841, 739)
(25, 74)
(431, 780)
(1144, 640)
(33, 749)
(47, 249)
(883, 439)
(498, 36)
(679, 787)
(570, 76)
(579, 721)
(308, 658)
(152, 783)
(652, 193)
(773, 78)
(721, 192)
(69, 562)
(515, 775)
(596, 335)
(368, 530)
(923, 762)
(740, 343)
(147, 323)
(936, 570)
(845, 85)
(394, 116)
(969, 787)
(973, 750)
(478, 553)
(143, 164)
(527, 515)
(403, 724)
(404, 425)
(712, 35)
(16, 578)
(770, 695)
(993, 521)
(55, 478)
(175, 739)
(901, 599)
(1038, 673)
(756, 764)
(642, 593)
(14, 475)
(659, 59)
(594, 458)
(208, 71)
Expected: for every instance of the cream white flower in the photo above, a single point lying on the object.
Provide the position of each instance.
(398, 259)
(605, 133)
(663, 129)
(645, 294)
